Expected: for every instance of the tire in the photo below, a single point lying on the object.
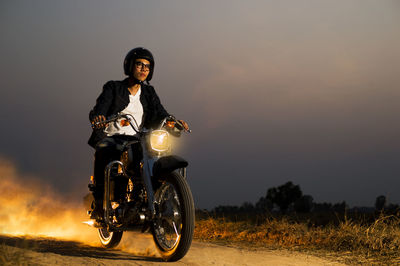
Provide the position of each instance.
(109, 239)
(174, 226)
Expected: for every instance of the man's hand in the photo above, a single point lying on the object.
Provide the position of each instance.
(97, 119)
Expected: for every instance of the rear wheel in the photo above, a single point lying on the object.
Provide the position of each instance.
(109, 239)
(174, 226)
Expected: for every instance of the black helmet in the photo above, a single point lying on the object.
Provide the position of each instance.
(138, 53)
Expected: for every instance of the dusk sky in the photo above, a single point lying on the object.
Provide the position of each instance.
(274, 91)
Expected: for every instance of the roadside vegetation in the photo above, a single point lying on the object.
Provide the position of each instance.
(349, 241)
(351, 236)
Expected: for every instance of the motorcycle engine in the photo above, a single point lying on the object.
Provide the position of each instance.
(128, 213)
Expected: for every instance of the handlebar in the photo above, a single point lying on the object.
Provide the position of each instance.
(109, 119)
(180, 125)
(113, 118)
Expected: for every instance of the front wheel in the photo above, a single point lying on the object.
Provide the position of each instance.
(109, 239)
(174, 225)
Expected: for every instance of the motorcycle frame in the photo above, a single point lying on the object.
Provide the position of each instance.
(149, 158)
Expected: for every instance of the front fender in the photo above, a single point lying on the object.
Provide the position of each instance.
(168, 164)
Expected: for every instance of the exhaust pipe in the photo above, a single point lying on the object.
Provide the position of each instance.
(106, 201)
(93, 223)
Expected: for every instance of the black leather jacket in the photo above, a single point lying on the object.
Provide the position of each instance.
(115, 98)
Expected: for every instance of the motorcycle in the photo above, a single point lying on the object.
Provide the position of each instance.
(146, 190)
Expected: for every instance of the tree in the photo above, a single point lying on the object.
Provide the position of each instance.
(322, 207)
(284, 195)
(221, 209)
(247, 207)
(380, 203)
(340, 207)
(304, 204)
(264, 205)
(392, 208)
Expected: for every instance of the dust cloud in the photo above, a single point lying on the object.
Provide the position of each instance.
(29, 207)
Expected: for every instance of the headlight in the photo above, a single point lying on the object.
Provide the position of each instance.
(159, 140)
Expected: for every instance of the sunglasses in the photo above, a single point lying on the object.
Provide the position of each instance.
(141, 65)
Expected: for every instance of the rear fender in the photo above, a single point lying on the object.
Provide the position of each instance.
(168, 164)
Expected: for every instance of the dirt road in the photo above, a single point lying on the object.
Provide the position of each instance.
(138, 250)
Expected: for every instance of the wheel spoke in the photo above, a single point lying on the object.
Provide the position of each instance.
(176, 231)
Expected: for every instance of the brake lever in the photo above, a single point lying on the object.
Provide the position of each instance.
(182, 127)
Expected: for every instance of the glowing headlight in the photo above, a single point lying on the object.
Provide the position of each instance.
(159, 140)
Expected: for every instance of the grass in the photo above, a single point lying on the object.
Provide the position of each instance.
(349, 240)
(355, 242)
(12, 256)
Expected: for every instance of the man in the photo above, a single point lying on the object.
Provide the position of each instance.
(129, 96)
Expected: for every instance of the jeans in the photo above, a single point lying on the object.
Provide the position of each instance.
(107, 150)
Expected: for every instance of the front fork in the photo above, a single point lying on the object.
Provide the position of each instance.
(146, 175)
(182, 171)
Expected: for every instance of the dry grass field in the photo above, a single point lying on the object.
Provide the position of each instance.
(350, 241)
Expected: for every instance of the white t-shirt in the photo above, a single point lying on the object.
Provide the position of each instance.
(134, 108)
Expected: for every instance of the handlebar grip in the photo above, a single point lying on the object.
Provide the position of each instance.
(179, 125)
